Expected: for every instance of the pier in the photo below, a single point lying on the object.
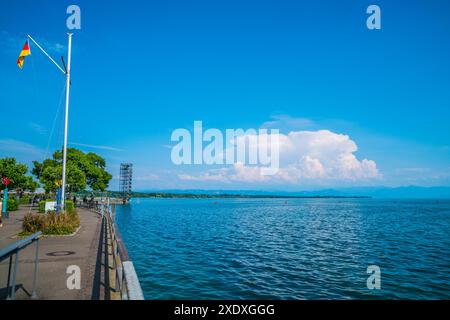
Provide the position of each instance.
(96, 248)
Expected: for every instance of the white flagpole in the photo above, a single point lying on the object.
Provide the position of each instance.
(66, 123)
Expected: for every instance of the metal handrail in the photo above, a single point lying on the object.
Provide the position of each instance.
(14, 249)
(126, 279)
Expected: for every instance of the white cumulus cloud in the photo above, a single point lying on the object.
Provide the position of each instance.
(305, 157)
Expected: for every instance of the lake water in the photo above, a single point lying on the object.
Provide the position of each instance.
(288, 249)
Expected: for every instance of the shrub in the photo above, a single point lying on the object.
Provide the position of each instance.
(42, 205)
(70, 207)
(51, 223)
(33, 222)
(12, 204)
(25, 200)
(64, 223)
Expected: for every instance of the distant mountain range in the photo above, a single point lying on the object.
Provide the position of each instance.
(412, 192)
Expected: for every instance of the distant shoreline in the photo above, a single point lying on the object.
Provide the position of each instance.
(165, 195)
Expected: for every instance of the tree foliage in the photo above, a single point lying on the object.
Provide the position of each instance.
(83, 170)
(17, 174)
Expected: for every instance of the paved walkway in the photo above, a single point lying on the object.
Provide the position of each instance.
(56, 254)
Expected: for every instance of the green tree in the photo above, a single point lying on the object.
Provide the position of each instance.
(17, 174)
(83, 170)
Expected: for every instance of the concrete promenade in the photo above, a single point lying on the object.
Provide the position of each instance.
(84, 249)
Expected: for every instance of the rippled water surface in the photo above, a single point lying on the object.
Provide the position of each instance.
(294, 249)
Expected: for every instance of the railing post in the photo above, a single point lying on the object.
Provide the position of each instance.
(123, 291)
(12, 295)
(36, 262)
(9, 276)
(117, 285)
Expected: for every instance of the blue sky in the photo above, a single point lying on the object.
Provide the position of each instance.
(144, 68)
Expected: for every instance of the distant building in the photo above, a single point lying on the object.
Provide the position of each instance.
(126, 180)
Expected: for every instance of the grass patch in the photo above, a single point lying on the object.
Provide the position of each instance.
(24, 234)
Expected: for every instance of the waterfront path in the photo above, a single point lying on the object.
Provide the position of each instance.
(85, 249)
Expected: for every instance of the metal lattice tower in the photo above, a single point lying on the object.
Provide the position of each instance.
(126, 179)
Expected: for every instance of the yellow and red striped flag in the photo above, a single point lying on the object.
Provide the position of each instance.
(25, 52)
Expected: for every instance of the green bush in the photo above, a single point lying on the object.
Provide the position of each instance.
(51, 223)
(12, 204)
(25, 200)
(70, 207)
(42, 205)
